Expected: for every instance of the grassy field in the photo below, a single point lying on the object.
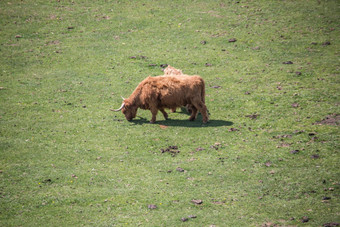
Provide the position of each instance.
(268, 157)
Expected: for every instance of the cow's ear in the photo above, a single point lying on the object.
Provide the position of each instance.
(126, 104)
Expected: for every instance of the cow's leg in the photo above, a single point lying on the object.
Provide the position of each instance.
(164, 114)
(193, 113)
(154, 112)
(202, 108)
(188, 108)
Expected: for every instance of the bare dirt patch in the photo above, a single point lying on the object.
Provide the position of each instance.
(333, 119)
(173, 150)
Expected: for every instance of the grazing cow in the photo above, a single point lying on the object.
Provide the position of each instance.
(160, 92)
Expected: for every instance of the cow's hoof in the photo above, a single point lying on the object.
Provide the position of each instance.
(151, 122)
(205, 120)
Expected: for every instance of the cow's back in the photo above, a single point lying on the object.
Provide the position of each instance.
(176, 91)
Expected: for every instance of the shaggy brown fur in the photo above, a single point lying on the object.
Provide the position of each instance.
(158, 93)
(172, 71)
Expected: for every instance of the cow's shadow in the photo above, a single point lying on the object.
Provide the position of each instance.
(184, 123)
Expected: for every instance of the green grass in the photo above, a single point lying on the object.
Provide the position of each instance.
(67, 160)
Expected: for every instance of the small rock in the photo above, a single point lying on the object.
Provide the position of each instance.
(314, 138)
(299, 131)
(199, 149)
(208, 64)
(152, 206)
(326, 43)
(184, 219)
(287, 62)
(179, 169)
(295, 105)
(173, 147)
(298, 73)
(216, 86)
(232, 40)
(197, 201)
(47, 181)
(192, 216)
(70, 27)
(18, 36)
(233, 130)
(312, 133)
(203, 42)
(294, 151)
(326, 198)
(315, 156)
(305, 219)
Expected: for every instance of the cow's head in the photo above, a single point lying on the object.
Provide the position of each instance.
(128, 109)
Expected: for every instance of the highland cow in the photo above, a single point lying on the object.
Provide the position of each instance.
(158, 93)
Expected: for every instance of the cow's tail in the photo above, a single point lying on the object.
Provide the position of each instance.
(203, 92)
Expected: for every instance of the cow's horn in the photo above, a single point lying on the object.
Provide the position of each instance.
(122, 97)
(121, 107)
